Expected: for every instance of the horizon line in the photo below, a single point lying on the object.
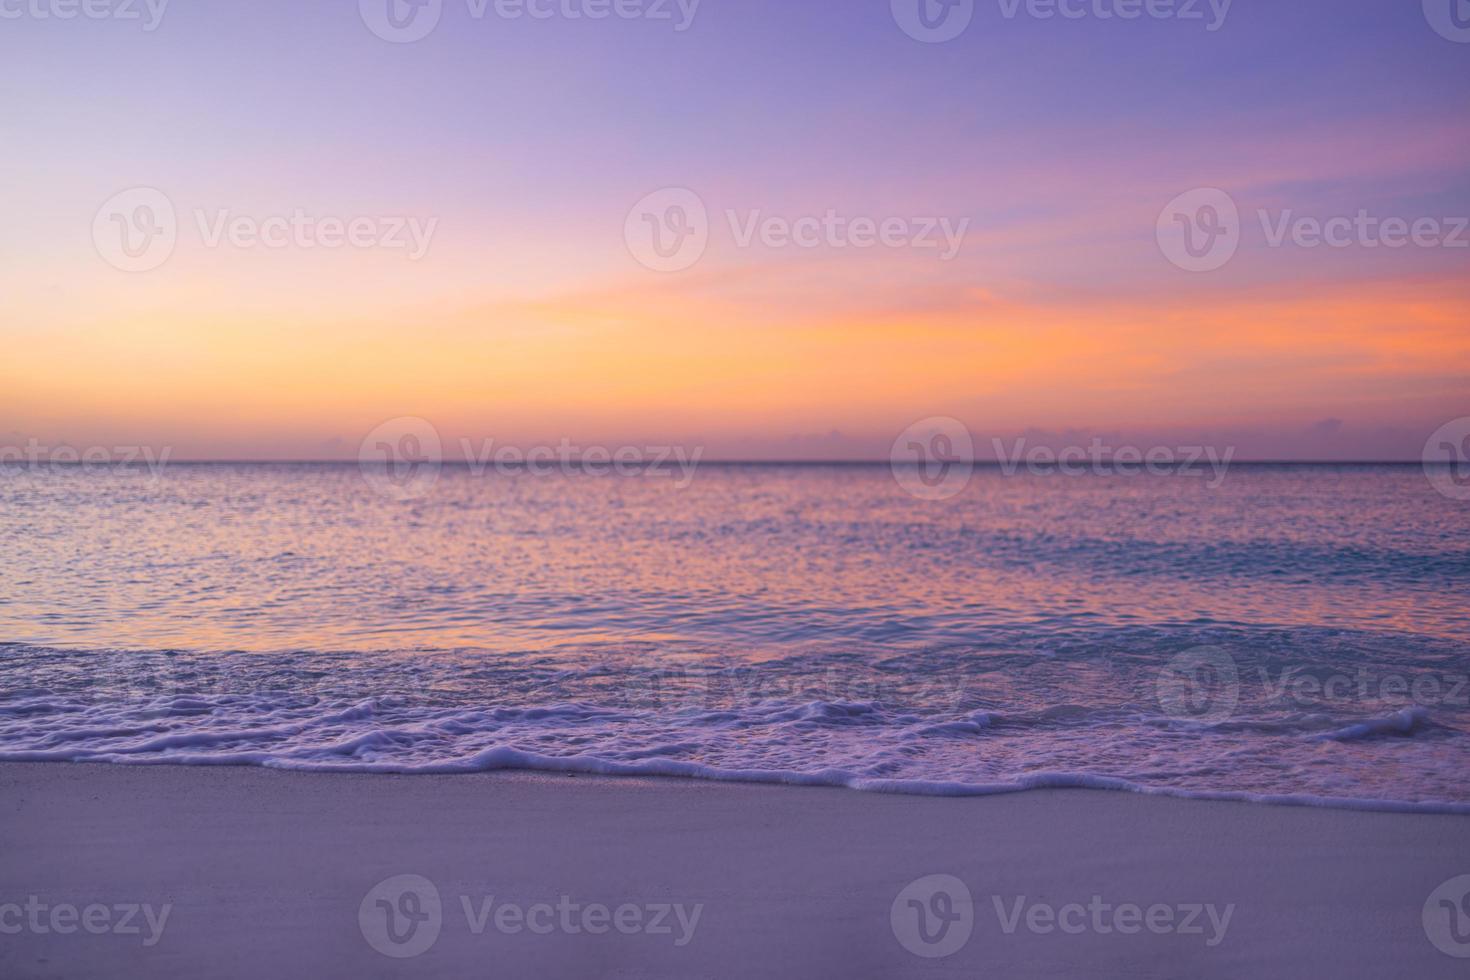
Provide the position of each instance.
(768, 462)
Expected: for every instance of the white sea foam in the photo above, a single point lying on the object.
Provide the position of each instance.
(992, 732)
(1404, 722)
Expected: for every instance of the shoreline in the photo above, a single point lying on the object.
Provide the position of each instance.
(274, 871)
(514, 762)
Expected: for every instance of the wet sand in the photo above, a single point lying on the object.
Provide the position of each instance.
(244, 872)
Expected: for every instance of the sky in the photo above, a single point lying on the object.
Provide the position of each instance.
(1026, 226)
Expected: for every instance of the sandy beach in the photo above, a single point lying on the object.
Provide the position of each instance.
(138, 871)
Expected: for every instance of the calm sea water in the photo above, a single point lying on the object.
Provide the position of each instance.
(1296, 632)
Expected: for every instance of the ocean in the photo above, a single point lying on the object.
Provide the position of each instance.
(1291, 633)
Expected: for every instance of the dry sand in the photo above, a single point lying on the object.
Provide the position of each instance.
(268, 874)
